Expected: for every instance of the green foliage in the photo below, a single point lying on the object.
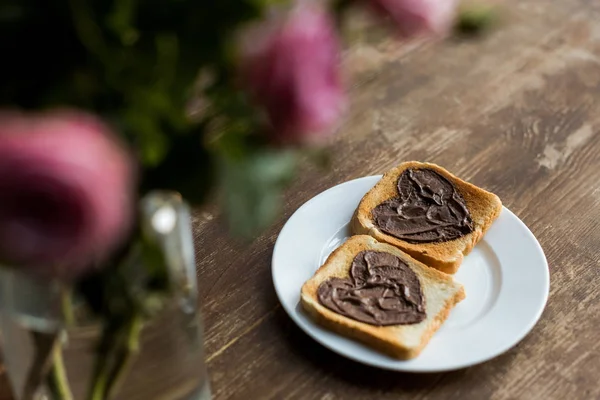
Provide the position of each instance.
(252, 187)
(475, 19)
(132, 61)
(139, 64)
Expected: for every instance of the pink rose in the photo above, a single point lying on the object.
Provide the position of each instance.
(416, 17)
(66, 192)
(290, 64)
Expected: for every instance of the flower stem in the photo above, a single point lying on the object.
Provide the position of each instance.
(103, 357)
(125, 355)
(57, 379)
(117, 350)
(98, 391)
(67, 305)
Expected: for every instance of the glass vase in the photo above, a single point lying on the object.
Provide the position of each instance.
(53, 352)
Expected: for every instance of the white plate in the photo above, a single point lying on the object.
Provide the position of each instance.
(505, 277)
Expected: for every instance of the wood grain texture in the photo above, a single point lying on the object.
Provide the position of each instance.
(516, 112)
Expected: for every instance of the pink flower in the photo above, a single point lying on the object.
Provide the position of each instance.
(66, 192)
(290, 65)
(416, 17)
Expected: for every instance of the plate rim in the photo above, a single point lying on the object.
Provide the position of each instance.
(399, 365)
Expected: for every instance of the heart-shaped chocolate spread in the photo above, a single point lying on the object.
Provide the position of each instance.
(381, 290)
(428, 209)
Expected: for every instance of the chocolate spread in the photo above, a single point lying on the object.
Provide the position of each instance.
(428, 209)
(381, 290)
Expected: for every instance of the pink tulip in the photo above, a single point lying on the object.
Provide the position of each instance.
(418, 17)
(290, 65)
(66, 192)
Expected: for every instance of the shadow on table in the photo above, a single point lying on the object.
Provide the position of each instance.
(359, 375)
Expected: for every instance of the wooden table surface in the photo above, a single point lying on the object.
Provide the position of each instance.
(516, 112)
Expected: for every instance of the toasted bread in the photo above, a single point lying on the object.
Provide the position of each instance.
(446, 256)
(402, 341)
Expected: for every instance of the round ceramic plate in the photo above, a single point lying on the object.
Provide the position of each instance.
(505, 277)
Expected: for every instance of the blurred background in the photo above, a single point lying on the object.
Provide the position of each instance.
(248, 108)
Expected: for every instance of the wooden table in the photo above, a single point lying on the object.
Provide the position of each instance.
(516, 112)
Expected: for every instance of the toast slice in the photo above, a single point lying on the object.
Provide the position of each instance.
(484, 207)
(439, 292)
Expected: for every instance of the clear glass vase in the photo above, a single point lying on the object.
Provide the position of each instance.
(164, 362)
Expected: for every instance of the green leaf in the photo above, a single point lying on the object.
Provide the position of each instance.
(146, 134)
(252, 189)
(476, 18)
(120, 21)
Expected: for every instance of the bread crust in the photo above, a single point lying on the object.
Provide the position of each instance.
(484, 207)
(441, 292)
